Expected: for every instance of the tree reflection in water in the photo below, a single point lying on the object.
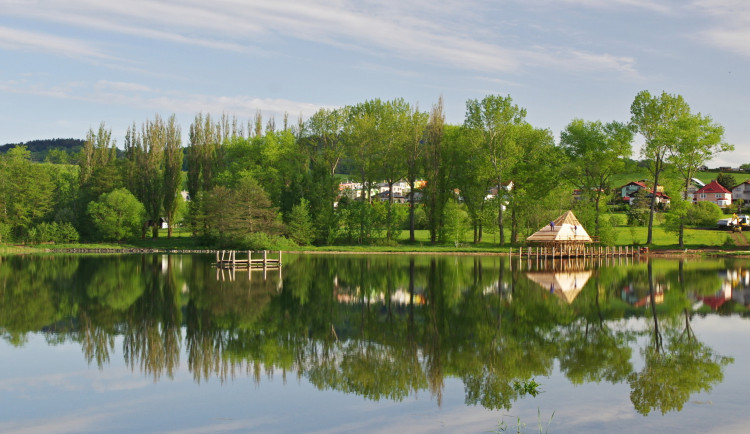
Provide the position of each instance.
(382, 327)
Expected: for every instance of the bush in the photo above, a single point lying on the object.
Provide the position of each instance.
(264, 241)
(53, 232)
(117, 215)
(704, 214)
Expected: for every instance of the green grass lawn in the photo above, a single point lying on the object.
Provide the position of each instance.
(625, 236)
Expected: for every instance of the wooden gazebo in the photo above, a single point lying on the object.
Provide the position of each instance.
(566, 230)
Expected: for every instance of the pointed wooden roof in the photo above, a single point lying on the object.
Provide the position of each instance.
(566, 229)
(564, 284)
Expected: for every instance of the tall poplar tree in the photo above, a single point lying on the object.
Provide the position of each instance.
(204, 157)
(414, 148)
(148, 162)
(436, 190)
(172, 170)
(323, 134)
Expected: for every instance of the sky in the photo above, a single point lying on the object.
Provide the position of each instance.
(68, 65)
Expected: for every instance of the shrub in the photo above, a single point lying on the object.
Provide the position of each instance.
(704, 214)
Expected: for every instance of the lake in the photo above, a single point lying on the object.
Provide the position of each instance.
(373, 343)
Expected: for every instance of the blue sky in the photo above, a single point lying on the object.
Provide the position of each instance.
(69, 65)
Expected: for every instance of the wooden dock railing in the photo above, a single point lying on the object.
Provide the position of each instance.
(228, 259)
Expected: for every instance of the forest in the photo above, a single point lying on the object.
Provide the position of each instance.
(261, 185)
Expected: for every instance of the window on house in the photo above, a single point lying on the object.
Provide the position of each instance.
(703, 195)
(719, 196)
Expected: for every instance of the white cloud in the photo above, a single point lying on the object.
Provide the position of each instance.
(452, 34)
(660, 6)
(14, 39)
(139, 96)
(731, 27)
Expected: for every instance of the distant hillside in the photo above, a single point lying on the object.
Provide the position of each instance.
(40, 148)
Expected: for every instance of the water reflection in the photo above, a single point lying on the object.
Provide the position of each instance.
(386, 327)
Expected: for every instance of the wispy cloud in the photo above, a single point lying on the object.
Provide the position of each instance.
(15, 39)
(450, 34)
(660, 6)
(139, 96)
(730, 29)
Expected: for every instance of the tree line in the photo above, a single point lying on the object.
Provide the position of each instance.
(260, 185)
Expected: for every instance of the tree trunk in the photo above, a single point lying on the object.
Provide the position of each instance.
(649, 238)
(500, 221)
(389, 215)
(411, 210)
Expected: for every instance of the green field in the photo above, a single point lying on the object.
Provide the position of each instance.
(705, 177)
(695, 238)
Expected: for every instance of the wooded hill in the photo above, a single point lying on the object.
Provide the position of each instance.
(40, 149)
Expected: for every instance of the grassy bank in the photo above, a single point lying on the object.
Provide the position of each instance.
(695, 239)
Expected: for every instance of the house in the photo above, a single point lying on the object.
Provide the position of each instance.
(741, 191)
(383, 196)
(715, 193)
(629, 190)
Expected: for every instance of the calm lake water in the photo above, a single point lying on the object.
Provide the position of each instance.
(373, 343)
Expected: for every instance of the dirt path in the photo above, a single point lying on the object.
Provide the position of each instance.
(739, 239)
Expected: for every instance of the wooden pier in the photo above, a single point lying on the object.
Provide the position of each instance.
(228, 259)
(578, 251)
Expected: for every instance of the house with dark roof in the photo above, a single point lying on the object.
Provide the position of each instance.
(715, 193)
(741, 191)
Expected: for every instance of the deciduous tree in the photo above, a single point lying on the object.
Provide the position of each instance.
(595, 151)
(657, 119)
(493, 121)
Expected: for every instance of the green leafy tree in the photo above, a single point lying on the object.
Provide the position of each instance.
(172, 171)
(323, 135)
(638, 212)
(98, 151)
(437, 191)
(145, 151)
(699, 140)
(204, 161)
(300, 226)
(117, 215)
(493, 124)
(26, 192)
(455, 223)
(726, 180)
(536, 177)
(472, 175)
(232, 214)
(414, 149)
(595, 152)
(657, 119)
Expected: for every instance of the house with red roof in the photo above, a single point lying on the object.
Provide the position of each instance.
(713, 192)
(629, 190)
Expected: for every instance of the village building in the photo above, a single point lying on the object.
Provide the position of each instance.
(629, 190)
(741, 191)
(715, 193)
